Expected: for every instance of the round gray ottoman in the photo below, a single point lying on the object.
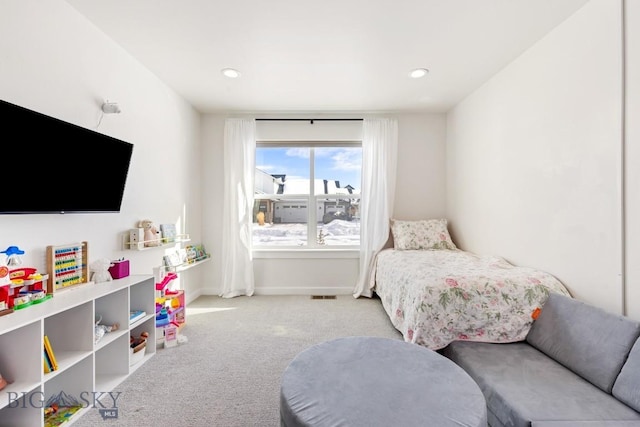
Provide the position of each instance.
(370, 381)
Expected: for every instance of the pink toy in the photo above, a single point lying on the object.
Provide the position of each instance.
(165, 281)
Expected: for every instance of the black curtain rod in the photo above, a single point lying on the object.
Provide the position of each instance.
(309, 120)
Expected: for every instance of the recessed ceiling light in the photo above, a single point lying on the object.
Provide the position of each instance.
(418, 72)
(230, 72)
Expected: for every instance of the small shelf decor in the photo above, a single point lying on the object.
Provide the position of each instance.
(196, 253)
(133, 241)
(67, 266)
(184, 258)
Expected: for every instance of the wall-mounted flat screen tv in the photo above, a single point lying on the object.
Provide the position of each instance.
(52, 166)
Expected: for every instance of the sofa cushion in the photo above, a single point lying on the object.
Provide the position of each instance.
(521, 385)
(586, 424)
(627, 385)
(590, 341)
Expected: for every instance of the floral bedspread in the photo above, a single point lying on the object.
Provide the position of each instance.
(435, 297)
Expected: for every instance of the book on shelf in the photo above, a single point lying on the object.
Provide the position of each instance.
(196, 253)
(49, 352)
(136, 315)
(46, 362)
(191, 254)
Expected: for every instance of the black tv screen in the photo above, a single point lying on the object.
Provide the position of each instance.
(52, 166)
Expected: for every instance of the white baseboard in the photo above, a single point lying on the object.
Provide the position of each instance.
(272, 290)
(319, 290)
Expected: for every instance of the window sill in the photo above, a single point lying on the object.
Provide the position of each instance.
(305, 253)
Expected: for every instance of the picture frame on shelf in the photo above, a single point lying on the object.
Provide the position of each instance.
(182, 254)
(168, 233)
(172, 259)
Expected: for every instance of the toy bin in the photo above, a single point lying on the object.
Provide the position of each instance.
(119, 269)
(137, 351)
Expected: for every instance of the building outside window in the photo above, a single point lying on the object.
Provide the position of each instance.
(307, 195)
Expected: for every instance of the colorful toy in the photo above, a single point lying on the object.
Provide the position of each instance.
(167, 306)
(68, 266)
(28, 287)
(171, 335)
(25, 287)
(165, 281)
(52, 409)
(162, 317)
(5, 287)
(12, 255)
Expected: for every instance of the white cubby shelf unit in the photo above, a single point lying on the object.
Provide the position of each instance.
(84, 366)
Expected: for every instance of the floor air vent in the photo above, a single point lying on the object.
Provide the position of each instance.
(323, 297)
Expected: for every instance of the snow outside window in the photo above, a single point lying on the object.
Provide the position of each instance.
(307, 195)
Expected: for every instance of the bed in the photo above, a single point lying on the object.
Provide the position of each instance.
(435, 293)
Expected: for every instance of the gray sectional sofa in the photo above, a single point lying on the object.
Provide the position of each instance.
(578, 366)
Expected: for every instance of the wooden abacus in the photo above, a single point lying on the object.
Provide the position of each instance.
(67, 266)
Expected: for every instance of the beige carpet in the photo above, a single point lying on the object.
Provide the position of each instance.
(228, 372)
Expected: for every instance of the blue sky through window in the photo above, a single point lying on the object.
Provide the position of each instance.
(332, 163)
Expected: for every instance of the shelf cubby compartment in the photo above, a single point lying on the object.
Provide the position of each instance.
(20, 361)
(73, 385)
(141, 296)
(112, 363)
(23, 407)
(110, 337)
(71, 334)
(149, 326)
(111, 309)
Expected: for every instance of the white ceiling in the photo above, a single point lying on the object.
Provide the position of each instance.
(329, 55)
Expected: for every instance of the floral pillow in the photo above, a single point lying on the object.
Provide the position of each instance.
(422, 234)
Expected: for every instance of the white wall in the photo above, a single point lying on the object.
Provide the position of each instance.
(632, 157)
(419, 194)
(56, 62)
(534, 158)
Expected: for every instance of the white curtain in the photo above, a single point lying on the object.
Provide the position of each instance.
(379, 159)
(239, 172)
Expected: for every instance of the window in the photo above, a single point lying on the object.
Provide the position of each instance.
(307, 195)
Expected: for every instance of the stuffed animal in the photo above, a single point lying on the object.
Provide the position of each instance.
(151, 233)
(100, 269)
